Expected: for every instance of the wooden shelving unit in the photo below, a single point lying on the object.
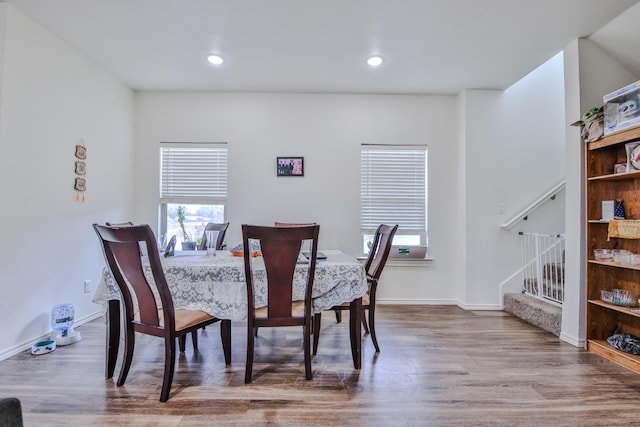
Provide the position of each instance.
(602, 184)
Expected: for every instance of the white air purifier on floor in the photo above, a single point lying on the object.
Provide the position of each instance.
(62, 321)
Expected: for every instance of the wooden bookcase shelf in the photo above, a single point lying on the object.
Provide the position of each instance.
(602, 184)
(602, 348)
(614, 264)
(615, 176)
(627, 310)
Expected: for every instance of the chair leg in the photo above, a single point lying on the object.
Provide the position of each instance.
(317, 319)
(308, 374)
(364, 323)
(249, 364)
(355, 331)
(225, 336)
(113, 337)
(182, 341)
(129, 344)
(372, 326)
(169, 367)
(338, 316)
(255, 332)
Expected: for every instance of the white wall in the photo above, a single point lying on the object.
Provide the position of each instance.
(3, 27)
(459, 217)
(52, 97)
(514, 153)
(500, 164)
(327, 130)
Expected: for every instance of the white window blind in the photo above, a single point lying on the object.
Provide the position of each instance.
(393, 188)
(194, 173)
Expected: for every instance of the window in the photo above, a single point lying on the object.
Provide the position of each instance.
(193, 188)
(393, 190)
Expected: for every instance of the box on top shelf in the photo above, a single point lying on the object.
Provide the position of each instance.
(622, 108)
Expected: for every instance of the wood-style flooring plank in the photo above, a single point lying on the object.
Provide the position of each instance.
(438, 366)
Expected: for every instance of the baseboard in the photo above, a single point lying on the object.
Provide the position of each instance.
(479, 307)
(577, 342)
(398, 301)
(26, 345)
(393, 301)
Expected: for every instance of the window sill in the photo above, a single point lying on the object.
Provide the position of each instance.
(396, 262)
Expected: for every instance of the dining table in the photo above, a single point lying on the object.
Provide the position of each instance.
(217, 286)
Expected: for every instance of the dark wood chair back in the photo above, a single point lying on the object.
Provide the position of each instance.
(380, 249)
(119, 224)
(377, 259)
(169, 250)
(280, 249)
(222, 228)
(122, 250)
(10, 412)
(293, 224)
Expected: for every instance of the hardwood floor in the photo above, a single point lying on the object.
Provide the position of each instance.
(438, 366)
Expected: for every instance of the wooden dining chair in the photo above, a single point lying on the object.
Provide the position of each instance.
(221, 228)
(10, 412)
(280, 248)
(170, 249)
(378, 255)
(292, 224)
(279, 224)
(121, 248)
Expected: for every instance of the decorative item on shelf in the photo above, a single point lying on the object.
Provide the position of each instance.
(622, 109)
(633, 156)
(619, 168)
(592, 122)
(62, 321)
(618, 211)
(621, 297)
(603, 254)
(622, 256)
(624, 342)
(80, 183)
(624, 229)
(607, 209)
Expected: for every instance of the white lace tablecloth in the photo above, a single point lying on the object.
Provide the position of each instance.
(216, 284)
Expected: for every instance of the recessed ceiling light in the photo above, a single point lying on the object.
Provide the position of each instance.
(215, 59)
(374, 61)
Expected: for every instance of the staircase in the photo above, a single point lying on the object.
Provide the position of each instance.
(540, 302)
(535, 311)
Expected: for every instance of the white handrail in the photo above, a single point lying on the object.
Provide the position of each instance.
(550, 194)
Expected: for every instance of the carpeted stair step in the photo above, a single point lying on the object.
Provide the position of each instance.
(532, 310)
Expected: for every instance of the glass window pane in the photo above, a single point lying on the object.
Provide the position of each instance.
(194, 219)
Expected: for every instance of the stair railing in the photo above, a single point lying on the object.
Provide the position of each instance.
(524, 214)
(543, 266)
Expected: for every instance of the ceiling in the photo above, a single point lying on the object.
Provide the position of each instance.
(429, 46)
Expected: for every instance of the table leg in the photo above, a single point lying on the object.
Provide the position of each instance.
(355, 331)
(113, 337)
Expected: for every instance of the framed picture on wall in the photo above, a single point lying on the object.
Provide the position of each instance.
(290, 166)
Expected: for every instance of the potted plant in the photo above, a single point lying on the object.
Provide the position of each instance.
(187, 243)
